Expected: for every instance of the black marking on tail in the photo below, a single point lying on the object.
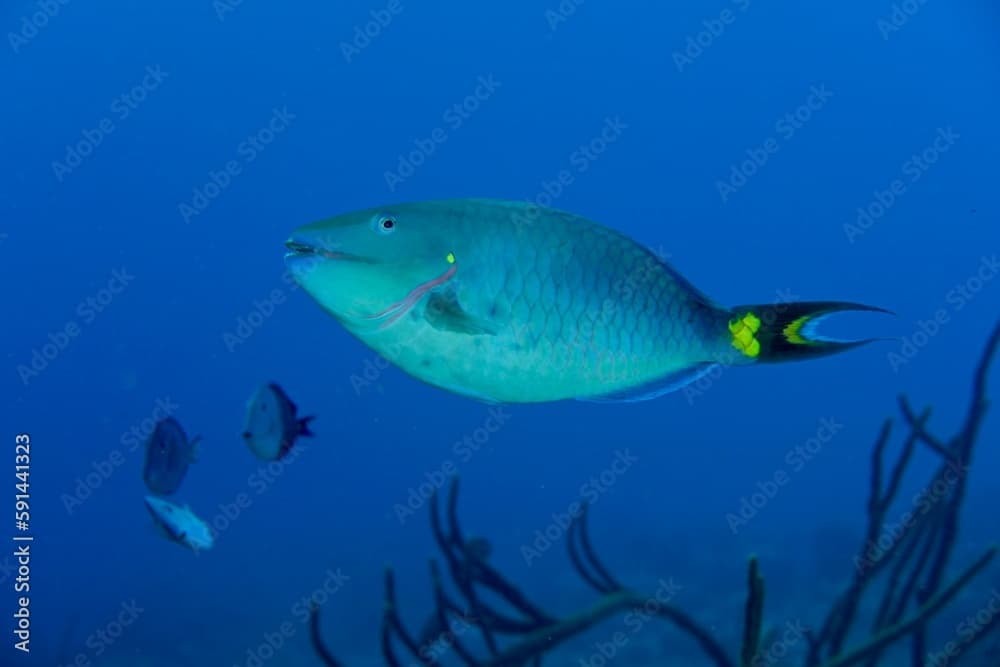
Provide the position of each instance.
(304, 426)
(787, 331)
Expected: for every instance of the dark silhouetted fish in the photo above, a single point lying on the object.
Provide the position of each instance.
(272, 423)
(168, 455)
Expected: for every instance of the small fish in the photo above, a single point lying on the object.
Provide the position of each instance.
(272, 423)
(179, 524)
(168, 455)
(507, 302)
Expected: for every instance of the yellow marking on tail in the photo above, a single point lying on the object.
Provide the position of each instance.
(743, 331)
(792, 332)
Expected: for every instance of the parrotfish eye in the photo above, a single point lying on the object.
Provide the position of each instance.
(385, 224)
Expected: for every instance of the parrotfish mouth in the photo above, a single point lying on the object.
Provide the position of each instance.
(391, 313)
(299, 249)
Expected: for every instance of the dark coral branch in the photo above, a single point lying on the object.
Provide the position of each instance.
(466, 573)
(442, 606)
(317, 640)
(546, 639)
(892, 634)
(979, 403)
(391, 620)
(754, 616)
(588, 550)
(916, 425)
(916, 561)
(577, 560)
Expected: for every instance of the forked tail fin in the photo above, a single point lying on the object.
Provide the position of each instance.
(788, 331)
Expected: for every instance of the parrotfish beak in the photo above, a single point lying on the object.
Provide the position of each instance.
(334, 278)
(304, 249)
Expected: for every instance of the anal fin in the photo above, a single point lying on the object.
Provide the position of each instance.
(665, 385)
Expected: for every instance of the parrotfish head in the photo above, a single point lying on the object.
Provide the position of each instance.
(369, 268)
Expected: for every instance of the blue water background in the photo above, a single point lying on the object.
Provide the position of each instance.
(352, 118)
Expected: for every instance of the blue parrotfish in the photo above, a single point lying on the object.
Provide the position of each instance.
(506, 302)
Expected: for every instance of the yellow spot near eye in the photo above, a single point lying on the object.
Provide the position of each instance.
(450, 257)
(742, 331)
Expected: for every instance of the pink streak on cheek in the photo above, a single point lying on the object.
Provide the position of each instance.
(404, 306)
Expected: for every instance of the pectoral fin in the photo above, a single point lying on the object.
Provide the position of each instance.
(445, 313)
